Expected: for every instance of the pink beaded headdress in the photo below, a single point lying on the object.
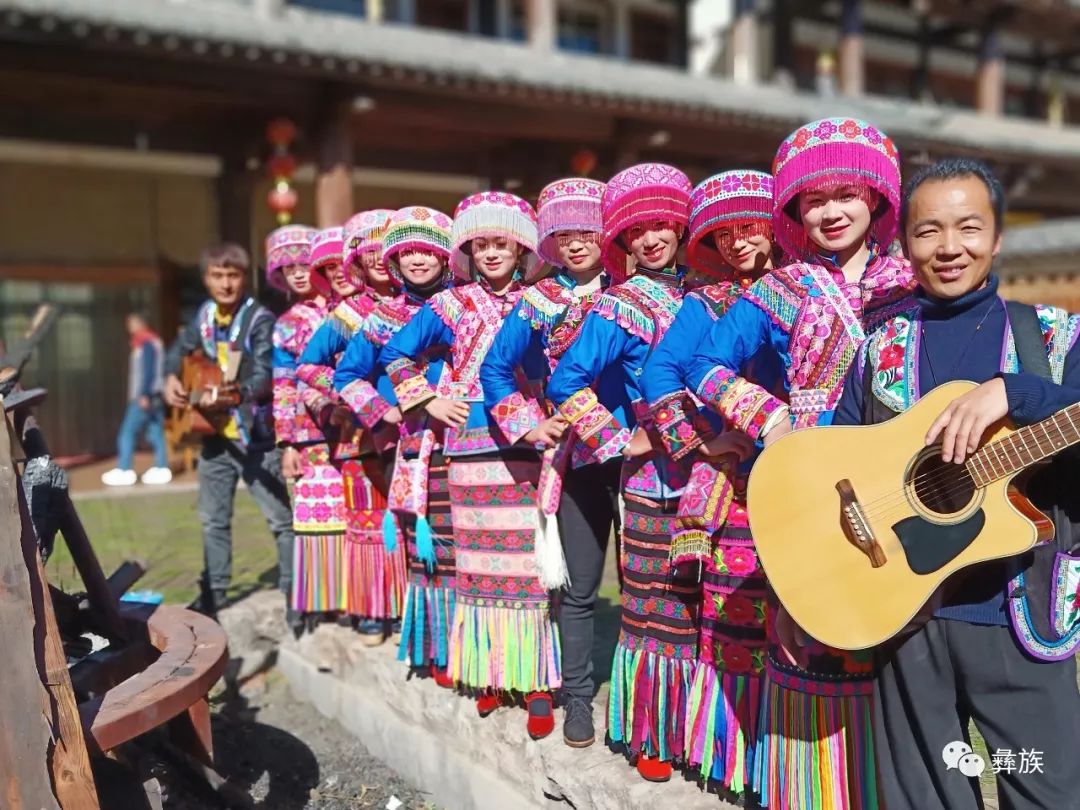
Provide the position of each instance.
(830, 152)
(738, 196)
(494, 214)
(364, 232)
(571, 204)
(326, 247)
(415, 228)
(284, 246)
(643, 193)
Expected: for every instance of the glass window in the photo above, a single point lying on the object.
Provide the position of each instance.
(356, 8)
(451, 15)
(652, 37)
(579, 30)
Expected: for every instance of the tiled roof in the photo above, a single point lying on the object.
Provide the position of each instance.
(344, 46)
(1053, 237)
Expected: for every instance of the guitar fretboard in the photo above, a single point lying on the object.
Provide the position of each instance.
(1028, 445)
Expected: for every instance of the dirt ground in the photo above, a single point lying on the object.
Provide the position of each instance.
(287, 756)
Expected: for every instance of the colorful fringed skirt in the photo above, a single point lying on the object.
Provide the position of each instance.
(503, 634)
(725, 699)
(372, 578)
(654, 663)
(429, 594)
(319, 525)
(815, 735)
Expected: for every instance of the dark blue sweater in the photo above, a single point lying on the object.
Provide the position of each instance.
(954, 347)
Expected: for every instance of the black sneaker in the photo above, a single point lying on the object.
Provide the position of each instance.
(578, 730)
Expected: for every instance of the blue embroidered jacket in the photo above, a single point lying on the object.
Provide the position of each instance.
(542, 326)
(620, 332)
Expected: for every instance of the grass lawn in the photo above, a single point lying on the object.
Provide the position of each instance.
(163, 531)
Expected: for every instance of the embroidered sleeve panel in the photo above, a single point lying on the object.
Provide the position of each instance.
(516, 415)
(673, 418)
(286, 402)
(595, 425)
(410, 384)
(364, 400)
(746, 405)
(317, 376)
(317, 404)
(449, 305)
(780, 294)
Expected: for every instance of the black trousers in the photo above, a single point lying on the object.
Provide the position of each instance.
(587, 511)
(951, 671)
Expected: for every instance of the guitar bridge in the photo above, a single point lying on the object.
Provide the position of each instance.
(855, 525)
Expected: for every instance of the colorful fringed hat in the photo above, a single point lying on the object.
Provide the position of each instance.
(642, 193)
(416, 228)
(327, 247)
(742, 195)
(571, 204)
(364, 232)
(831, 152)
(493, 214)
(284, 246)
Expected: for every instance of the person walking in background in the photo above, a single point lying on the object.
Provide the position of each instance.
(233, 324)
(145, 411)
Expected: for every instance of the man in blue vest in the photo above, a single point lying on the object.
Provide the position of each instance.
(232, 328)
(990, 653)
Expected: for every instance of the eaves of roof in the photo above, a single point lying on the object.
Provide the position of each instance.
(345, 46)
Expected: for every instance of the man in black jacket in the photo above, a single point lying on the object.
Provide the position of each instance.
(233, 327)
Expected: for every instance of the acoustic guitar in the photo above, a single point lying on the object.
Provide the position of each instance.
(203, 379)
(858, 527)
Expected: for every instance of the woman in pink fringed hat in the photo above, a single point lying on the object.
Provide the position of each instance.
(363, 579)
(318, 506)
(730, 240)
(836, 203)
(646, 210)
(578, 491)
(503, 641)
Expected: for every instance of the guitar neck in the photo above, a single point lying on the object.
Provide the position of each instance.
(1026, 446)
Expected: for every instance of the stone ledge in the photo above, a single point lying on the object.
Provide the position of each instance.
(435, 739)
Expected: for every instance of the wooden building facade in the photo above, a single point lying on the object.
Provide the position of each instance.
(132, 134)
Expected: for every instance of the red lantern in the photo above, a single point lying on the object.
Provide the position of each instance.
(282, 199)
(281, 132)
(282, 165)
(583, 162)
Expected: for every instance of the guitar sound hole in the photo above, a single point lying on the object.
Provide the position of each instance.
(942, 488)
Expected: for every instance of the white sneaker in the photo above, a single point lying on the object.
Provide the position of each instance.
(157, 475)
(118, 478)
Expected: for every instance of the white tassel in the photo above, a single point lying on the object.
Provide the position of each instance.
(550, 562)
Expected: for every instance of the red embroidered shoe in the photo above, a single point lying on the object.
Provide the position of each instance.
(442, 677)
(541, 720)
(487, 703)
(653, 769)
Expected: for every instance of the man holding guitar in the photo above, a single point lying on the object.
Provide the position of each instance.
(990, 653)
(234, 332)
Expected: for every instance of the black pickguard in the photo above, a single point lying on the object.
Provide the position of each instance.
(930, 546)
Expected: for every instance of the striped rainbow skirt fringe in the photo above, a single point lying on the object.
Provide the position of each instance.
(503, 636)
(815, 735)
(372, 578)
(319, 525)
(429, 594)
(653, 668)
(725, 699)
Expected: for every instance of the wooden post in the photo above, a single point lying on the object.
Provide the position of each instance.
(43, 758)
(783, 44)
(744, 43)
(541, 19)
(852, 64)
(990, 78)
(621, 24)
(333, 186)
